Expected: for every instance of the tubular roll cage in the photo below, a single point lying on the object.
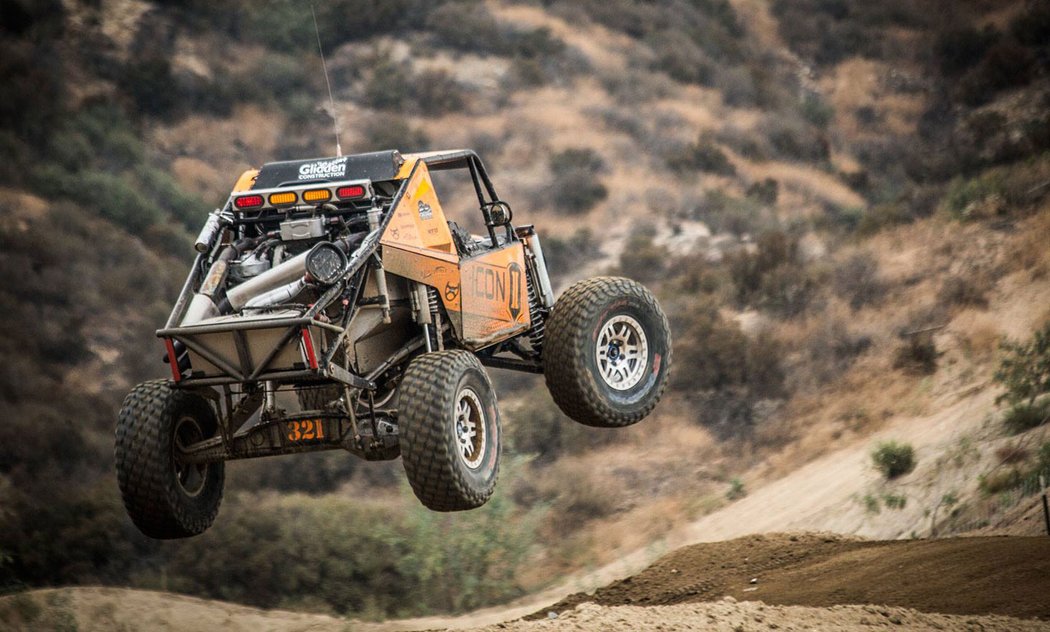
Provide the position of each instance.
(317, 367)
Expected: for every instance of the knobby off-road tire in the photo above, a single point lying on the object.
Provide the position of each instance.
(165, 498)
(449, 430)
(607, 352)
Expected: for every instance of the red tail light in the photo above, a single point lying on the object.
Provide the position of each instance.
(248, 201)
(350, 192)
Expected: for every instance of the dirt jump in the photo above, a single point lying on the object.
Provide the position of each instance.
(758, 582)
(965, 576)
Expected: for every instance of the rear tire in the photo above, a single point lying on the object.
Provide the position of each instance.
(450, 431)
(607, 352)
(166, 499)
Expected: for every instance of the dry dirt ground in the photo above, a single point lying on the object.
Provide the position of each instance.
(760, 582)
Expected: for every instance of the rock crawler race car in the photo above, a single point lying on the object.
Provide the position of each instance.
(331, 305)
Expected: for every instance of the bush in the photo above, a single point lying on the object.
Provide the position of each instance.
(816, 111)
(894, 501)
(773, 277)
(918, 355)
(786, 291)
(466, 26)
(1000, 480)
(391, 131)
(959, 49)
(1006, 65)
(641, 259)
(1025, 369)
(436, 92)
(857, 280)
(1023, 417)
(681, 58)
(966, 291)
(893, 459)
(767, 191)
(574, 186)
(704, 155)
(566, 256)
(794, 139)
(543, 431)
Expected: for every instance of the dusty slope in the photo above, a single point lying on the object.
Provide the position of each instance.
(802, 581)
(1006, 575)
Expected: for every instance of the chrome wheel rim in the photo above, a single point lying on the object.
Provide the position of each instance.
(622, 353)
(190, 477)
(470, 428)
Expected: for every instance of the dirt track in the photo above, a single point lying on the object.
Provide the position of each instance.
(1003, 575)
(801, 582)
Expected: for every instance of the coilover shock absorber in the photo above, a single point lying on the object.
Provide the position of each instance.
(538, 316)
(434, 305)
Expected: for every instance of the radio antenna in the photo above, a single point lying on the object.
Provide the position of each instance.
(328, 82)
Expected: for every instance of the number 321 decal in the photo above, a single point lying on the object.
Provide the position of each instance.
(304, 430)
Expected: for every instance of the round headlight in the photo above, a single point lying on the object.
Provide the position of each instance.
(325, 263)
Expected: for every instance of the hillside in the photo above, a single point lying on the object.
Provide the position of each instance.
(844, 210)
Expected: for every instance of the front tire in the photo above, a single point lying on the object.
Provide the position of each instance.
(450, 431)
(164, 497)
(607, 352)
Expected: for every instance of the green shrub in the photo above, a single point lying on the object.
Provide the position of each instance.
(917, 354)
(704, 155)
(871, 504)
(1006, 65)
(961, 290)
(436, 92)
(641, 259)
(1043, 459)
(767, 191)
(575, 186)
(893, 459)
(1023, 416)
(959, 49)
(681, 58)
(1000, 480)
(467, 26)
(894, 501)
(857, 280)
(736, 489)
(816, 111)
(391, 131)
(1025, 368)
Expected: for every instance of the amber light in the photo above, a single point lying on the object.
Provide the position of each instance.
(350, 192)
(317, 195)
(248, 201)
(279, 199)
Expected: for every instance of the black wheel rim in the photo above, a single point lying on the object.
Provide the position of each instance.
(190, 477)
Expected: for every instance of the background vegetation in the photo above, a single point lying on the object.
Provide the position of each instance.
(114, 147)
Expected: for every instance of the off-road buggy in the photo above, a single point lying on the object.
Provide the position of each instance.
(331, 305)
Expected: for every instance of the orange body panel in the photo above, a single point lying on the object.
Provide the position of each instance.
(419, 222)
(495, 300)
(246, 180)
